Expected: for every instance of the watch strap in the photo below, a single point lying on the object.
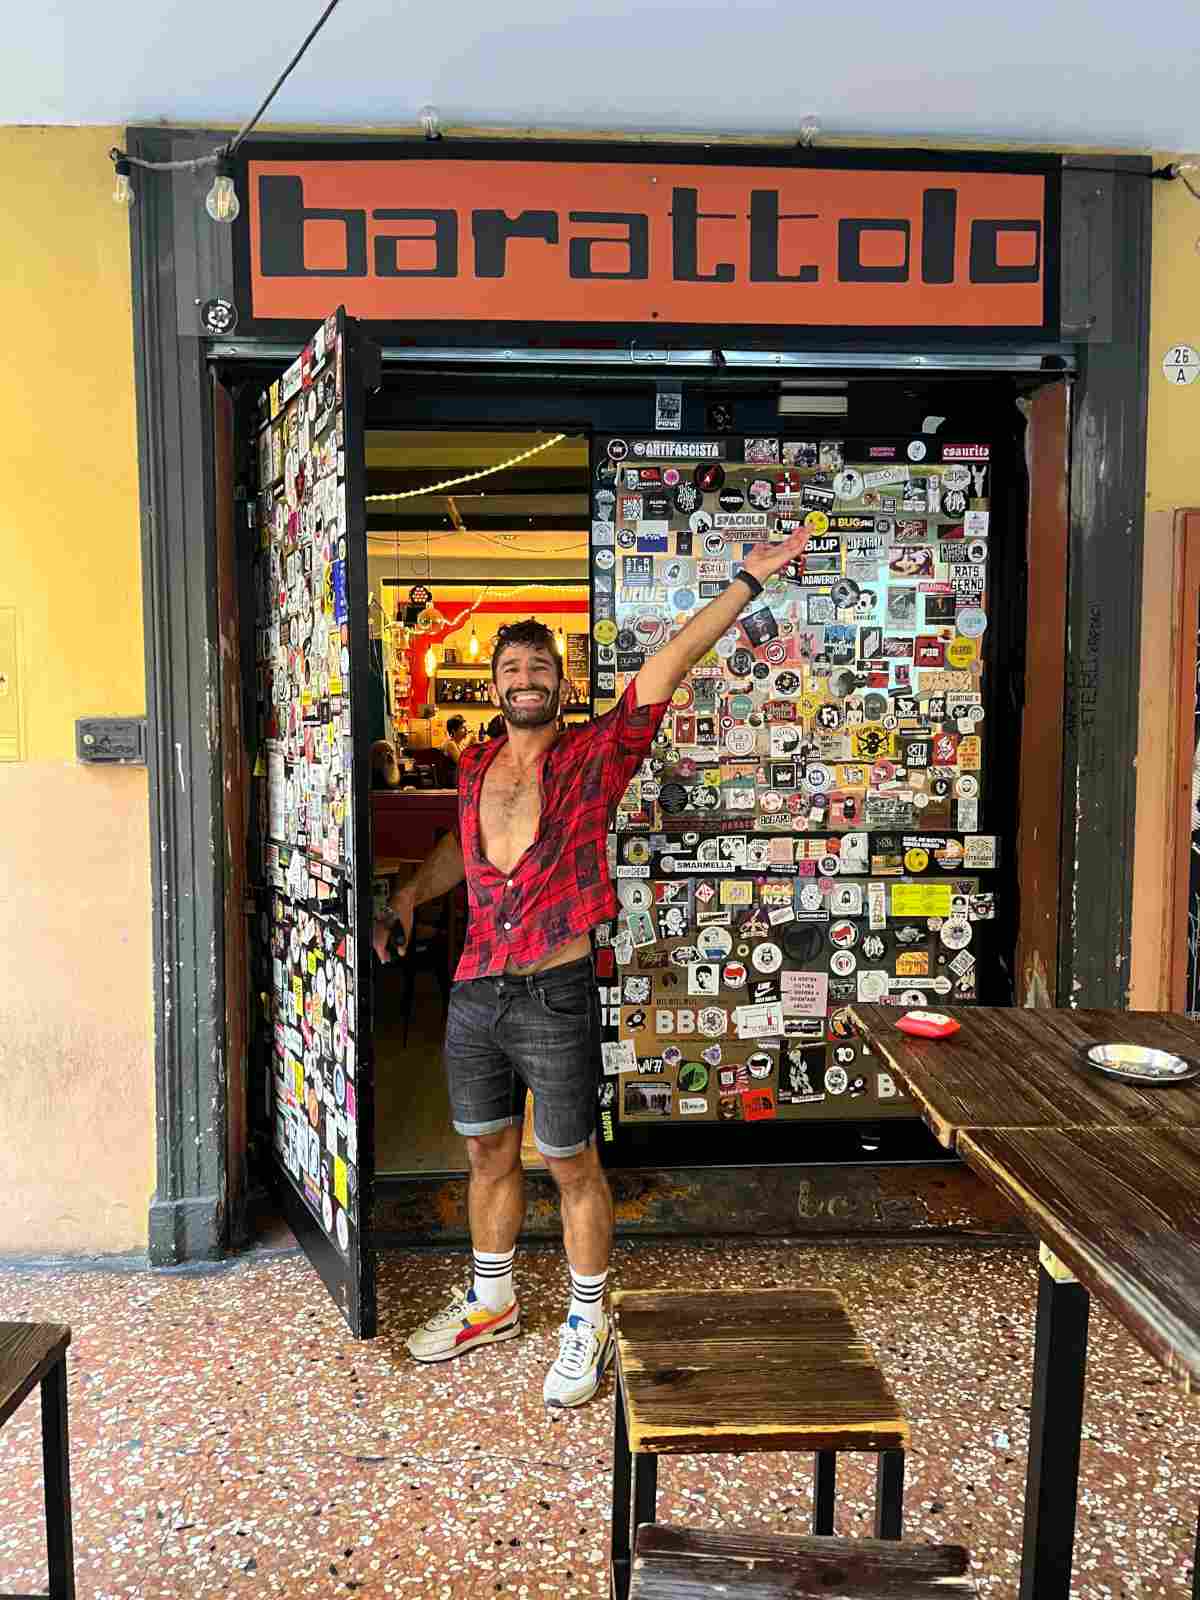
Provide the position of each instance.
(750, 581)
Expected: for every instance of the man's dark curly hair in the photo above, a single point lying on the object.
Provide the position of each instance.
(530, 632)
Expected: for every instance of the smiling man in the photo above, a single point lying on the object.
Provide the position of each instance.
(535, 806)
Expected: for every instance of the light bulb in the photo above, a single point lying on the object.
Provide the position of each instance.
(473, 644)
(221, 201)
(431, 123)
(123, 194)
(560, 642)
(810, 130)
(430, 662)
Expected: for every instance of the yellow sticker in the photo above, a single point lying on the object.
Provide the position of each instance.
(808, 705)
(605, 631)
(711, 777)
(961, 652)
(735, 893)
(913, 964)
(817, 522)
(916, 860)
(312, 963)
(869, 742)
(298, 1077)
(339, 1182)
(921, 899)
(970, 753)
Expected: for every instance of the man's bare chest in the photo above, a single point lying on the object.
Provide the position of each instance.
(509, 811)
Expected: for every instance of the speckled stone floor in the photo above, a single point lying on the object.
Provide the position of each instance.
(228, 1437)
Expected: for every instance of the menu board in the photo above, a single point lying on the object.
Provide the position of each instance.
(808, 829)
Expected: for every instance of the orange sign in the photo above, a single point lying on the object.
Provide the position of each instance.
(409, 240)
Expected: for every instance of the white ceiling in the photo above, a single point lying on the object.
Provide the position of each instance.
(1098, 72)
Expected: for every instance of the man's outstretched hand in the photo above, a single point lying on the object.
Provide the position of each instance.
(765, 560)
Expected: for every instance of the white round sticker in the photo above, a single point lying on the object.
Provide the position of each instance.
(604, 559)
(739, 741)
(714, 944)
(701, 522)
(848, 485)
(971, 622)
(635, 896)
(327, 1212)
(343, 1230)
(977, 550)
(967, 787)
(872, 987)
(1181, 364)
(955, 934)
(818, 778)
(918, 450)
(843, 963)
(713, 1022)
(836, 1081)
(766, 957)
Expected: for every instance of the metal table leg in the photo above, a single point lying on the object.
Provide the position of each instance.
(889, 1494)
(622, 1485)
(1196, 1567)
(56, 1467)
(1055, 1430)
(824, 1488)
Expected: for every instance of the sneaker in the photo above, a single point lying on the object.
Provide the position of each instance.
(583, 1354)
(464, 1325)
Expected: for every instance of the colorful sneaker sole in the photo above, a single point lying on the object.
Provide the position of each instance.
(473, 1341)
(602, 1365)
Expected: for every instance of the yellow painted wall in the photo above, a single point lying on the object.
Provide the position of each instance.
(76, 1063)
(1172, 484)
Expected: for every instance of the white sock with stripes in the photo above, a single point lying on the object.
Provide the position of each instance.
(587, 1296)
(493, 1278)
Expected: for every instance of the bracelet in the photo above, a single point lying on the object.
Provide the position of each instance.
(751, 582)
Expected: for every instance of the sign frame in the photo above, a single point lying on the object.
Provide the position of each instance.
(552, 336)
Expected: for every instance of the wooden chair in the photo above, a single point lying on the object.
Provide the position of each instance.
(687, 1564)
(36, 1352)
(735, 1370)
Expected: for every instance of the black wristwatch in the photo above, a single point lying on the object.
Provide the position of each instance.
(750, 580)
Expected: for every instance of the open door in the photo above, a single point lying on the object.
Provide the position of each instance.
(312, 815)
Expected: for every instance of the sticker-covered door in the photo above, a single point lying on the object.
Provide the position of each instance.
(312, 823)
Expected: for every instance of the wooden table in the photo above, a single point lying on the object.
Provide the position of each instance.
(735, 1370)
(1012, 1067)
(1107, 1175)
(33, 1353)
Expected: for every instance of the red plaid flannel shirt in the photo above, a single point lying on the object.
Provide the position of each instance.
(560, 887)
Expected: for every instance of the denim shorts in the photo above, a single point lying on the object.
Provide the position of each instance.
(540, 1032)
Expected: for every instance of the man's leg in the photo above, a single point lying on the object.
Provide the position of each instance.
(585, 1342)
(496, 1191)
(587, 1208)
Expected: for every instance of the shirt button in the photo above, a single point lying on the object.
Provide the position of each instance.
(508, 924)
(508, 885)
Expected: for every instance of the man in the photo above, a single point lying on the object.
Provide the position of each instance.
(456, 739)
(534, 813)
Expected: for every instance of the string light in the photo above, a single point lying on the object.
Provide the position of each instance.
(123, 184)
(560, 641)
(430, 662)
(221, 201)
(473, 643)
(472, 477)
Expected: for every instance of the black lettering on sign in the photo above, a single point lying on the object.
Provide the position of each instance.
(282, 256)
(636, 240)
(939, 213)
(493, 230)
(765, 218)
(444, 240)
(985, 238)
(850, 237)
(686, 218)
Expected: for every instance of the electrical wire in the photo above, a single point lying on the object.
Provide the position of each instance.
(225, 151)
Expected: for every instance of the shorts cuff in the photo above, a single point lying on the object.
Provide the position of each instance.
(476, 1130)
(569, 1150)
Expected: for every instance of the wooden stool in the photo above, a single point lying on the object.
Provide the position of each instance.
(36, 1352)
(683, 1564)
(746, 1369)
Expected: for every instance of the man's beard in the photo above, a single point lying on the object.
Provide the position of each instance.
(530, 716)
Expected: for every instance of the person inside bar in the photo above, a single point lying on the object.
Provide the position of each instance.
(385, 769)
(456, 740)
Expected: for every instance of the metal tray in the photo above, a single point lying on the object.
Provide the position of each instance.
(1138, 1063)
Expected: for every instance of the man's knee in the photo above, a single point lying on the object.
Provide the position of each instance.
(494, 1155)
(570, 1172)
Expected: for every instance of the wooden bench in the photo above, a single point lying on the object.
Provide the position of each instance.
(736, 1370)
(688, 1564)
(30, 1353)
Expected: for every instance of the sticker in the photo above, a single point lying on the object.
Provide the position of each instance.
(343, 1231)
(843, 963)
(714, 943)
(917, 450)
(733, 975)
(848, 485)
(605, 631)
(921, 900)
(955, 934)
(604, 559)
(1181, 364)
(712, 1022)
(979, 852)
(687, 498)
(916, 860)
(761, 494)
(972, 622)
(766, 958)
(957, 478)
(961, 652)
(817, 522)
(709, 476)
(693, 1077)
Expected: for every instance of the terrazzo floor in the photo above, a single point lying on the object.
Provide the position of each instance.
(228, 1437)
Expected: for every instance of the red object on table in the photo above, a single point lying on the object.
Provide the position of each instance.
(928, 1024)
